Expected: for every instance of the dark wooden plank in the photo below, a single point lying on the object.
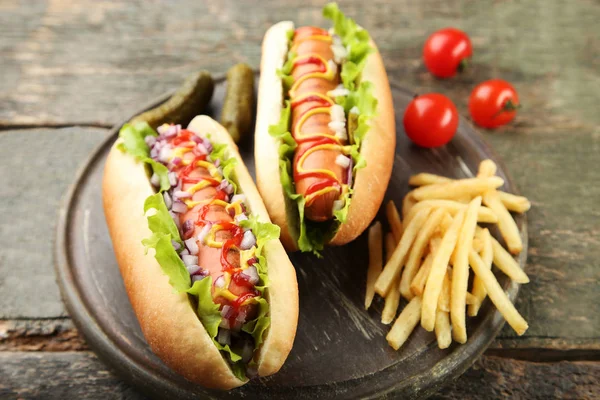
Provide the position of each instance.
(73, 375)
(90, 61)
(36, 169)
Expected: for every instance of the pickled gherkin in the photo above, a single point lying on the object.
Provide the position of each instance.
(188, 101)
(238, 107)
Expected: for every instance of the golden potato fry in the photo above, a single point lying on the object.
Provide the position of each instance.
(417, 250)
(394, 220)
(487, 255)
(512, 202)
(424, 178)
(442, 329)
(457, 189)
(439, 265)
(405, 323)
(487, 168)
(418, 283)
(497, 295)
(460, 272)
(506, 224)
(484, 215)
(375, 261)
(394, 265)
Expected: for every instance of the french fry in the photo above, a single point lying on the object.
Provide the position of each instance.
(424, 178)
(416, 252)
(486, 169)
(457, 189)
(390, 245)
(487, 255)
(506, 224)
(407, 203)
(433, 286)
(442, 329)
(477, 244)
(392, 300)
(497, 295)
(418, 283)
(444, 299)
(484, 215)
(470, 299)
(394, 220)
(507, 264)
(375, 261)
(394, 265)
(405, 323)
(460, 272)
(512, 202)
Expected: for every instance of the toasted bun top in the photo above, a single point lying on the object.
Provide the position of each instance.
(168, 320)
(378, 147)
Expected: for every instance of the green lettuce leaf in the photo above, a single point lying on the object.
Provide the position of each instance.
(208, 311)
(161, 222)
(227, 163)
(258, 326)
(134, 144)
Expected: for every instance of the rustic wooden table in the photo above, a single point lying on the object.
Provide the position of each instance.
(71, 69)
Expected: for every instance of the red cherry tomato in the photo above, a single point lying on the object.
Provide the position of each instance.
(493, 103)
(430, 120)
(446, 52)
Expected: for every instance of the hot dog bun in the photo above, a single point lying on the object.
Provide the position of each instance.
(378, 147)
(168, 320)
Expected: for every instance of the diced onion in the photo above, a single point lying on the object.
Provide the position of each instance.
(168, 201)
(220, 282)
(354, 110)
(332, 66)
(189, 259)
(179, 207)
(162, 129)
(251, 274)
(204, 232)
(181, 194)
(184, 252)
(192, 269)
(226, 311)
(336, 112)
(173, 177)
(175, 244)
(171, 131)
(240, 217)
(339, 52)
(248, 240)
(187, 228)
(342, 160)
(247, 351)
(192, 246)
(202, 148)
(340, 90)
(198, 277)
(239, 197)
(150, 140)
(164, 154)
(338, 205)
(224, 324)
(155, 180)
(224, 336)
(342, 135)
(337, 125)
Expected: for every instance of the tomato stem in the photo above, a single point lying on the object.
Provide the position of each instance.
(464, 64)
(508, 107)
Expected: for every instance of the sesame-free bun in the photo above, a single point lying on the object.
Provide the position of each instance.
(167, 318)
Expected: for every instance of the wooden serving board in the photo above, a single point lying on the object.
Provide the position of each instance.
(340, 349)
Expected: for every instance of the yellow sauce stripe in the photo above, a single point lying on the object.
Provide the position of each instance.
(311, 197)
(199, 186)
(322, 38)
(179, 152)
(328, 146)
(212, 170)
(210, 237)
(298, 128)
(194, 203)
(237, 206)
(329, 74)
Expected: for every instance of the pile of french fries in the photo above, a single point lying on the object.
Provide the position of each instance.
(432, 249)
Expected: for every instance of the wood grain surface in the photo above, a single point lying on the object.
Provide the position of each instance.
(74, 68)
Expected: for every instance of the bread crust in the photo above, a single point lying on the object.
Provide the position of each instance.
(168, 320)
(378, 147)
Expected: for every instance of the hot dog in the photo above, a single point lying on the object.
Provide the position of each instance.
(325, 126)
(211, 285)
